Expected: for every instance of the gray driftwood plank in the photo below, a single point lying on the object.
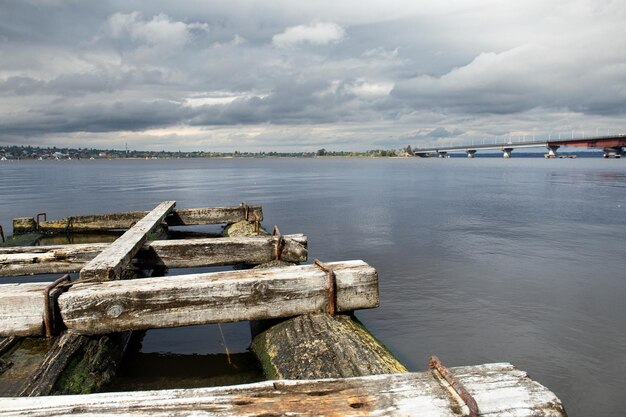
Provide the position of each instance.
(22, 309)
(110, 263)
(499, 389)
(256, 294)
(124, 220)
(167, 253)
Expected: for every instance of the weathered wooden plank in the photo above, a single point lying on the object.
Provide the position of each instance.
(103, 307)
(110, 263)
(317, 346)
(124, 220)
(499, 389)
(167, 253)
(22, 309)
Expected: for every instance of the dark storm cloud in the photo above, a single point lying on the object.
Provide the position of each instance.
(398, 70)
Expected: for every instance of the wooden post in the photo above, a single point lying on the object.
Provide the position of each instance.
(499, 389)
(160, 253)
(109, 263)
(320, 346)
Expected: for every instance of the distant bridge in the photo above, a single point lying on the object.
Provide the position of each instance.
(613, 147)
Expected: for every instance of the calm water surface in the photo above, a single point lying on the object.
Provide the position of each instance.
(483, 260)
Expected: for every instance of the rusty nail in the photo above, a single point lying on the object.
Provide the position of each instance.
(435, 364)
(48, 313)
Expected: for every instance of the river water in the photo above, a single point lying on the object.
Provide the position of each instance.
(484, 260)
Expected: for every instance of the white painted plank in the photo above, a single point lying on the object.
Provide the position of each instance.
(110, 263)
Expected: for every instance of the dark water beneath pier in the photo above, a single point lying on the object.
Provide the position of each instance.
(484, 260)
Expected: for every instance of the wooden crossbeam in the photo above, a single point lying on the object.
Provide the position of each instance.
(253, 294)
(110, 263)
(499, 389)
(105, 307)
(124, 220)
(183, 253)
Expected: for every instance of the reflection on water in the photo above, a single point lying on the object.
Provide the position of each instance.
(148, 371)
(481, 260)
(76, 238)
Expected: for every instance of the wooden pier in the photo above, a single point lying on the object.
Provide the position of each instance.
(71, 335)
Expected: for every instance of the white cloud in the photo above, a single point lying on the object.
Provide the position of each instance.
(158, 30)
(315, 34)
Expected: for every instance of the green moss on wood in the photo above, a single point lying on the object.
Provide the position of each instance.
(243, 228)
(91, 368)
(321, 346)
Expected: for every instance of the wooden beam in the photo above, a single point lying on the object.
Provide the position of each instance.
(499, 389)
(112, 306)
(183, 253)
(104, 307)
(124, 220)
(317, 346)
(110, 263)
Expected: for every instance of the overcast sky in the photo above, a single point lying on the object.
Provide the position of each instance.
(291, 75)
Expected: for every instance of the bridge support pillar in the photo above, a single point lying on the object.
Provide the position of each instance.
(506, 152)
(442, 154)
(470, 153)
(551, 151)
(616, 152)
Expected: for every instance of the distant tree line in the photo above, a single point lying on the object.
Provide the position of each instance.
(37, 152)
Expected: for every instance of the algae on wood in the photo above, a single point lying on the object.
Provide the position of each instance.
(320, 346)
(243, 228)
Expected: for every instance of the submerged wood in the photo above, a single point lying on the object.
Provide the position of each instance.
(124, 220)
(103, 307)
(110, 263)
(166, 253)
(25, 356)
(77, 364)
(499, 389)
(320, 346)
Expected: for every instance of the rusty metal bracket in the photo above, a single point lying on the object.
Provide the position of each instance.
(280, 243)
(331, 282)
(2, 234)
(68, 228)
(48, 317)
(246, 210)
(257, 223)
(39, 215)
(436, 366)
